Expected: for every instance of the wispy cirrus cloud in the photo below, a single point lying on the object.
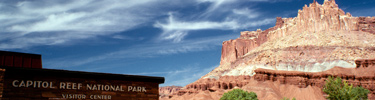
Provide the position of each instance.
(218, 4)
(175, 29)
(249, 13)
(181, 77)
(175, 24)
(215, 4)
(71, 15)
(45, 22)
(236, 18)
(364, 12)
(187, 75)
(147, 51)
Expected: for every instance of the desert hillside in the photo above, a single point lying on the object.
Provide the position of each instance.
(293, 58)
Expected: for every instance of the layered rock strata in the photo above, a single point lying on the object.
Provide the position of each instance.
(168, 90)
(363, 76)
(365, 63)
(365, 70)
(293, 58)
(320, 34)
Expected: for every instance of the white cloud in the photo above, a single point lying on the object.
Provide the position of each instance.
(123, 37)
(221, 4)
(45, 22)
(173, 72)
(90, 18)
(174, 24)
(215, 4)
(143, 51)
(176, 36)
(364, 12)
(249, 13)
(53, 22)
(220, 15)
(176, 30)
(181, 77)
(187, 77)
(260, 22)
(64, 21)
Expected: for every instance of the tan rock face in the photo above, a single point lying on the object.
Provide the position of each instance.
(234, 49)
(361, 76)
(311, 19)
(320, 34)
(168, 90)
(365, 63)
(272, 84)
(248, 40)
(293, 58)
(367, 24)
(326, 17)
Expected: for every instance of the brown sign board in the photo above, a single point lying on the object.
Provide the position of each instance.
(48, 84)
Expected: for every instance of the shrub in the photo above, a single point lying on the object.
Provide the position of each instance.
(339, 90)
(285, 98)
(238, 94)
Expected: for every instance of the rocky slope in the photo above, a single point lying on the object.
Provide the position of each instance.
(167, 90)
(293, 58)
(319, 38)
(274, 85)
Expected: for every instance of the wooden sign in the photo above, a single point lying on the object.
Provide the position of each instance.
(47, 84)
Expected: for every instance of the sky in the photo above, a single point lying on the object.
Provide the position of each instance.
(179, 40)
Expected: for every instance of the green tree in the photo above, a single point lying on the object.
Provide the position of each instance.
(339, 90)
(238, 94)
(285, 98)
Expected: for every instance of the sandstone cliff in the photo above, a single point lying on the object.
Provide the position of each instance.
(274, 85)
(293, 58)
(319, 38)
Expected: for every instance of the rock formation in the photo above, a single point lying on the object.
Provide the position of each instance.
(293, 58)
(168, 90)
(273, 84)
(319, 38)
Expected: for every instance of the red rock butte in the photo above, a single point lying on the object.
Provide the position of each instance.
(293, 58)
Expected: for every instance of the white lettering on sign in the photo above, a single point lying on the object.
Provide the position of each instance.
(75, 86)
(101, 87)
(136, 89)
(74, 96)
(100, 97)
(34, 84)
(70, 85)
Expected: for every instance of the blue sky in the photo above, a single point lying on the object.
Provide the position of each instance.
(176, 39)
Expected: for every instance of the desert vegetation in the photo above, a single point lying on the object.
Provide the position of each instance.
(337, 89)
(238, 94)
(285, 98)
